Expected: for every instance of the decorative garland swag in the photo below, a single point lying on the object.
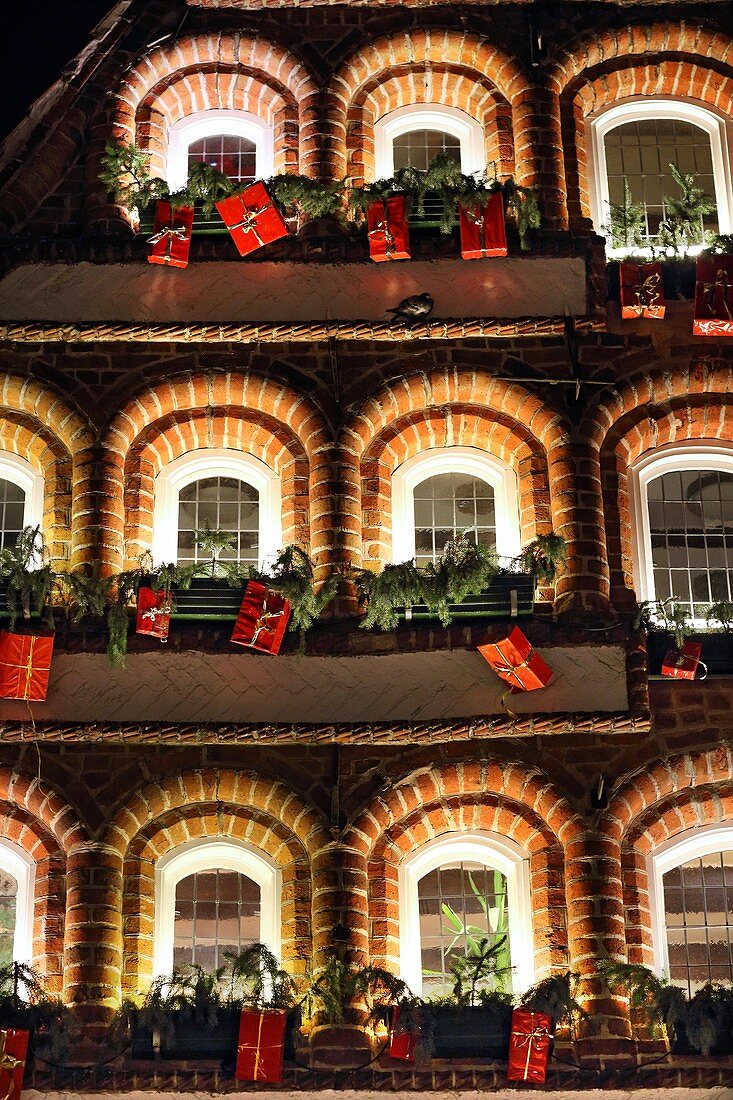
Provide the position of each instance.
(256, 214)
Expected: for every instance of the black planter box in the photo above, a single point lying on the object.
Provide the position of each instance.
(208, 598)
(681, 1044)
(510, 596)
(717, 652)
(195, 1041)
(470, 1032)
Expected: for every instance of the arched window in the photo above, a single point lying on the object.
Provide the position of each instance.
(458, 889)
(444, 492)
(412, 136)
(211, 897)
(17, 874)
(692, 895)
(638, 140)
(684, 511)
(21, 498)
(231, 492)
(237, 143)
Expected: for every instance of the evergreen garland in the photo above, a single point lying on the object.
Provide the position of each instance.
(28, 578)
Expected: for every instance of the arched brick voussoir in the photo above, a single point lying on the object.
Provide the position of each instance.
(690, 78)
(655, 387)
(238, 788)
(515, 782)
(43, 803)
(679, 774)
(417, 392)
(40, 401)
(640, 39)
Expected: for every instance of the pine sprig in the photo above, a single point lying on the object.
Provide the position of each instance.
(293, 577)
(684, 213)
(626, 223)
(126, 175)
(29, 578)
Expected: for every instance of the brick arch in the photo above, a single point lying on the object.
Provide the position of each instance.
(650, 807)
(209, 820)
(217, 87)
(471, 55)
(434, 83)
(459, 426)
(471, 812)
(41, 802)
(662, 58)
(37, 424)
(647, 411)
(232, 428)
(20, 827)
(215, 392)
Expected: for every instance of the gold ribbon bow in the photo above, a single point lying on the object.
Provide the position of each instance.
(263, 621)
(711, 290)
(382, 228)
(538, 1035)
(647, 293)
(479, 220)
(25, 679)
(10, 1063)
(248, 223)
(171, 233)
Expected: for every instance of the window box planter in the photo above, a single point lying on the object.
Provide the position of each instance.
(208, 598)
(717, 652)
(682, 1045)
(189, 1040)
(481, 1032)
(510, 596)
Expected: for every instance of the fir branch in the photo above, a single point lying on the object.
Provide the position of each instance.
(205, 185)
(126, 175)
(118, 616)
(292, 576)
(463, 569)
(522, 203)
(684, 213)
(313, 198)
(543, 556)
(29, 579)
(385, 593)
(626, 223)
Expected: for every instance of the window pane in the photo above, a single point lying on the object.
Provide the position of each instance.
(698, 916)
(417, 148)
(458, 904)
(642, 151)
(12, 508)
(215, 911)
(234, 156)
(8, 897)
(691, 527)
(445, 506)
(225, 504)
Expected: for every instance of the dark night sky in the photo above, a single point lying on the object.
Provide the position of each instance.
(39, 38)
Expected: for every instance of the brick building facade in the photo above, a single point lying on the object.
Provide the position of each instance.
(115, 375)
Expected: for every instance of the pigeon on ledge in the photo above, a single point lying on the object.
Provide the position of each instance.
(417, 307)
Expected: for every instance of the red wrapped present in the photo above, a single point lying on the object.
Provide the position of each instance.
(171, 239)
(402, 1042)
(260, 1046)
(642, 292)
(516, 662)
(682, 663)
(389, 237)
(252, 219)
(13, 1052)
(529, 1046)
(25, 664)
(153, 613)
(714, 297)
(483, 228)
(262, 620)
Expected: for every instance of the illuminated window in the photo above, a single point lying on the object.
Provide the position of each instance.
(415, 134)
(416, 148)
(448, 505)
(222, 504)
(237, 143)
(17, 878)
(8, 907)
(216, 912)
(12, 513)
(21, 498)
(235, 156)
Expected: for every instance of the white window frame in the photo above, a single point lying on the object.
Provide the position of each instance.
(688, 455)
(209, 855)
(638, 108)
(215, 462)
(432, 116)
(211, 123)
(494, 851)
(21, 473)
(701, 840)
(452, 460)
(20, 865)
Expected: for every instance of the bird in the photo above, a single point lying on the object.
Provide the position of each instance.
(417, 307)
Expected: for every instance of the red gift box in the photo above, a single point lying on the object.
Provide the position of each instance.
(252, 219)
(529, 1046)
(714, 297)
(682, 664)
(13, 1053)
(642, 292)
(402, 1043)
(483, 228)
(262, 620)
(153, 613)
(25, 664)
(389, 237)
(171, 239)
(260, 1046)
(516, 662)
